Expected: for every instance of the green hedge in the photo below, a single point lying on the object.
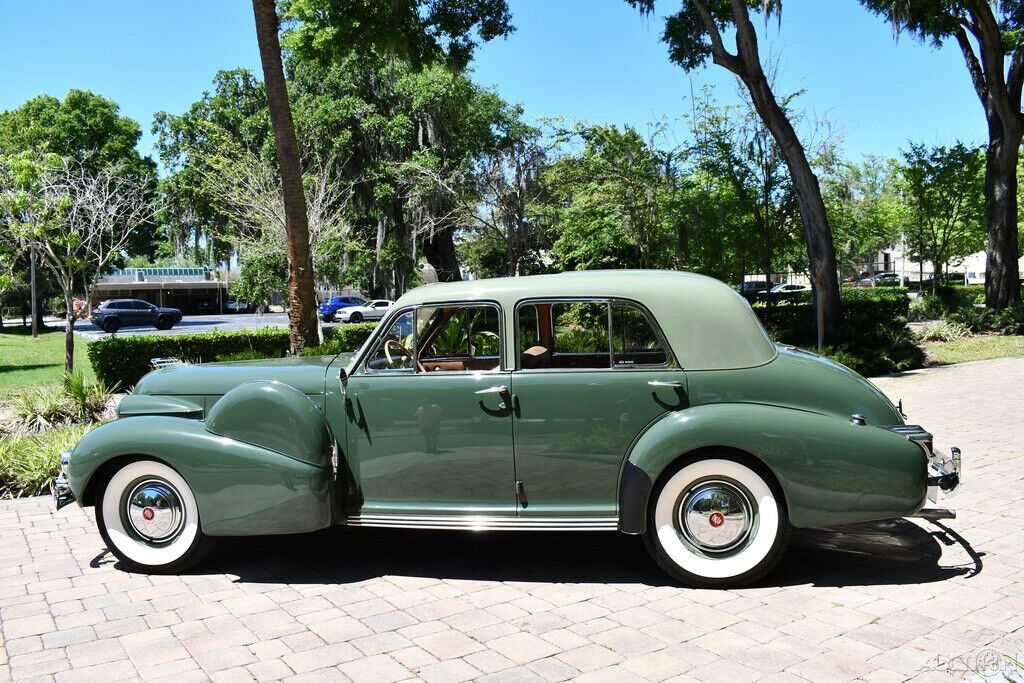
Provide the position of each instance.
(125, 359)
(873, 338)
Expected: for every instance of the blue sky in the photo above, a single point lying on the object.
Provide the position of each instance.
(596, 60)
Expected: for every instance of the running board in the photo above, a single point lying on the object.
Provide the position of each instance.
(935, 514)
(486, 523)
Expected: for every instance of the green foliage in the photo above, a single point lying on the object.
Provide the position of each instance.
(944, 331)
(945, 189)
(30, 463)
(342, 339)
(973, 318)
(264, 271)
(40, 408)
(1010, 320)
(124, 360)
(929, 307)
(873, 338)
(326, 30)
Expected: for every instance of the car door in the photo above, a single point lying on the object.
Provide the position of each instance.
(591, 376)
(431, 436)
(126, 312)
(377, 310)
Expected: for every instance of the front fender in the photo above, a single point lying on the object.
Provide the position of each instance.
(241, 489)
(831, 471)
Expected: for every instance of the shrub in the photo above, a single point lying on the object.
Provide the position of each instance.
(873, 338)
(929, 307)
(29, 463)
(37, 409)
(124, 360)
(1009, 320)
(944, 331)
(974, 318)
(89, 399)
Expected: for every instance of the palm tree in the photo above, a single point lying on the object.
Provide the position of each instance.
(305, 328)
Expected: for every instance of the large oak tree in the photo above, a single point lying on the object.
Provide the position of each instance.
(694, 35)
(989, 34)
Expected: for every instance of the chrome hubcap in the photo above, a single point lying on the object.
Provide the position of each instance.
(155, 511)
(715, 516)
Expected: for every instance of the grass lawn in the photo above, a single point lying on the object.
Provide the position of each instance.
(25, 361)
(981, 347)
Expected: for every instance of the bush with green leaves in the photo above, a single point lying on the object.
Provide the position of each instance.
(41, 408)
(124, 360)
(928, 307)
(945, 331)
(30, 462)
(1009, 321)
(974, 318)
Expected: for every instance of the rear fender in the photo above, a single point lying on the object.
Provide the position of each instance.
(831, 471)
(241, 489)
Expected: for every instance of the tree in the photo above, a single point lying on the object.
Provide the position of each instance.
(694, 35)
(77, 219)
(305, 327)
(264, 271)
(946, 191)
(991, 37)
(866, 207)
(607, 204)
(733, 144)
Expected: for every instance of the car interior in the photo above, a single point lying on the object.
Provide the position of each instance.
(551, 335)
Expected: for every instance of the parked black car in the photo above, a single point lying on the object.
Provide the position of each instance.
(753, 289)
(113, 314)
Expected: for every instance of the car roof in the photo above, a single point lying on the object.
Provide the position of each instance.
(707, 323)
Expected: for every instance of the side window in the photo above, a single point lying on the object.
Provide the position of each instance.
(581, 328)
(458, 338)
(394, 351)
(634, 341)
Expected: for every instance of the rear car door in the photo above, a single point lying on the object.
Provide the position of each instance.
(591, 376)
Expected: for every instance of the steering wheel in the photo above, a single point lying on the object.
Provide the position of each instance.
(401, 353)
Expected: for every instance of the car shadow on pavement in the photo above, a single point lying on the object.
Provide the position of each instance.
(879, 553)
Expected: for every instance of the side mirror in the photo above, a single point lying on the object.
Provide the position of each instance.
(342, 375)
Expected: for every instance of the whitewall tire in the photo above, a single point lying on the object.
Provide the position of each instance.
(148, 518)
(716, 522)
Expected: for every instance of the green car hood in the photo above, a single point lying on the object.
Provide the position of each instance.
(305, 373)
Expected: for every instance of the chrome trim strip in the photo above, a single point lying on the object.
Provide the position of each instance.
(486, 523)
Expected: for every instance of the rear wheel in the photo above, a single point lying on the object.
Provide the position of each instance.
(716, 523)
(111, 325)
(164, 323)
(356, 317)
(148, 518)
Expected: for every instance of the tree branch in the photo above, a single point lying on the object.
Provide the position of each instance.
(719, 54)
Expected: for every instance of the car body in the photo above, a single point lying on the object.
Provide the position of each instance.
(752, 289)
(113, 314)
(588, 401)
(787, 290)
(235, 306)
(330, 306)
(371, 310)
(887, 279)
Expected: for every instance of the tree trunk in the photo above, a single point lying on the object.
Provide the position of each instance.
(440, 253)
(821, 254)
(305, 327)
(1002, 276)
(69, 333)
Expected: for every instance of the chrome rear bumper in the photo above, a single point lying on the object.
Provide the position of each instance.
(943, 474)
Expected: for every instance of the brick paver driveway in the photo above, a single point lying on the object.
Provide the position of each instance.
(880, 602)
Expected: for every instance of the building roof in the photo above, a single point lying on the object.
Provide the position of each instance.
(708, 325)
(131, 276)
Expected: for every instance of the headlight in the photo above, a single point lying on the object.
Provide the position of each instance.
(65, 458)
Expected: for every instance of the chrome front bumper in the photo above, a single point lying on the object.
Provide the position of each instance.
(62, 494)
(943, 474)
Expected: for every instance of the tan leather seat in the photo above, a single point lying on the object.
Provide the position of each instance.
(535, 357)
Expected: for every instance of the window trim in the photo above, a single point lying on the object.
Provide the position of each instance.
(671, 364)
(388, 321)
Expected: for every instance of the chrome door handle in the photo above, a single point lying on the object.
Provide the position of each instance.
(493, 390)
(661, 383)
(500, 390)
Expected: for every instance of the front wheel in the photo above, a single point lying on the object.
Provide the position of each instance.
(717, 523)
(148, 518)
(164, 323)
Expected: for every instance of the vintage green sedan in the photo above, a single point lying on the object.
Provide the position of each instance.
(646, 402)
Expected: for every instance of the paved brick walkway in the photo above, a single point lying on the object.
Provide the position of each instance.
(879, 602)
